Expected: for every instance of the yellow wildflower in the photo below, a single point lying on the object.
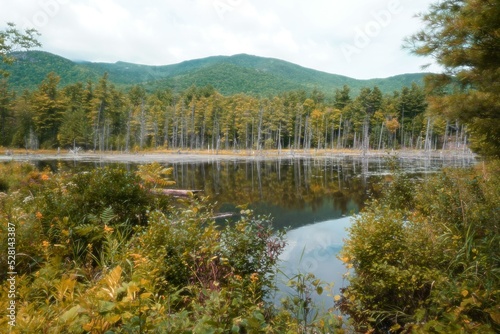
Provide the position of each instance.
(108, 229)
(38, 215)
(345, 259)
(138, 259)
(45, 244)
(45, 177)
(254, 277)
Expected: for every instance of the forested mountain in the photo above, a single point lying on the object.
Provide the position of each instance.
(238, 102)
(227, 74)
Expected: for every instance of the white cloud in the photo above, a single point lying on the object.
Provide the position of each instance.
(156, 32)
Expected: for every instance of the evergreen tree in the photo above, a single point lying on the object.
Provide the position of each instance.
(6, 113)
(75, 129)
(342, 97)
(464, 37)
(48, 106)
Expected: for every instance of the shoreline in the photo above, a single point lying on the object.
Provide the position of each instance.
(204, 156)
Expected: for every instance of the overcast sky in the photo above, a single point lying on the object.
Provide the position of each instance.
(357, 38)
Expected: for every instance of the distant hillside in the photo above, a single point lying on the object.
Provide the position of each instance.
(228, 74)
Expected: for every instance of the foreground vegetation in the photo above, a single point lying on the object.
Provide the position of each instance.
(425, 258)
(103, 252)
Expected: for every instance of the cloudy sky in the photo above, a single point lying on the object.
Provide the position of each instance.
(357, 38)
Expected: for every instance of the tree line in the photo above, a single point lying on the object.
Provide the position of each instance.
(100, 117)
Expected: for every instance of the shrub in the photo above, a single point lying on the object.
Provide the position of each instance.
(93, 271)
(429, 263)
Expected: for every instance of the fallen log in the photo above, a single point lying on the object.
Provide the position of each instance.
(223, 215)
(176, 192)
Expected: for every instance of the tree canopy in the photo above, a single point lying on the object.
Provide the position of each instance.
(11, 39)
(463, 37)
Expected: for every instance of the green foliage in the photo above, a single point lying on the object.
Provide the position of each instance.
(95, 114)
(154, 175)
(91, 272)
(101, 188)
(429, 263)
(400, 193)
(229, 75)
(12, 174)
(11, 40)
(48, 107)
(306, 316)
(462, 36)
(80, 210)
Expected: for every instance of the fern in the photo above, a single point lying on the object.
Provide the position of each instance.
(107, 215)
(104, 218)
(91, 232)
(155, 175)
(111, 282)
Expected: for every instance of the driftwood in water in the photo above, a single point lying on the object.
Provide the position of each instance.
(223, 215)
(176, 192)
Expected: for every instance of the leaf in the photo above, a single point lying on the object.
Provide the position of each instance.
(259, 316)
(88, 327)
(105, 306)
(495, 316)
(465, 293)
(112, 280)
(145, 295)
(395, 327)
(107, 215)
(113, 319)
(70, 314)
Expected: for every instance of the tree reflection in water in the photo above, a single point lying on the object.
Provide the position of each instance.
(296, 192)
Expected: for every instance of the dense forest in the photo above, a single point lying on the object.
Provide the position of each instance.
(229, 75)
(100, 117)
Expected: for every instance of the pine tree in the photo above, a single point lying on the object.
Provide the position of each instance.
(48, 105)
(464, 37)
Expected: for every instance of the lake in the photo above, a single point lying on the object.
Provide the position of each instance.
(314, 198)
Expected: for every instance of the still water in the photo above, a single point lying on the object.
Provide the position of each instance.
(314, 199)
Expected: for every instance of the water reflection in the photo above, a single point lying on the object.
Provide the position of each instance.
(294, 192)
(297, 192)
(314, 248)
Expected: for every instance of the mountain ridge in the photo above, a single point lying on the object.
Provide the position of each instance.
(239, 73)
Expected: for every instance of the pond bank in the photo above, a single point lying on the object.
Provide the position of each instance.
(204, 156)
